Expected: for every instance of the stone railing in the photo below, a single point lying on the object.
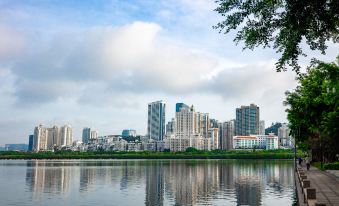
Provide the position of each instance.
(310, 194)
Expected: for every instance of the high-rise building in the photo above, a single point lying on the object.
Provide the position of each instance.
(46, 138)
(247, 120)
(66, 136)
(156, 120)
(226, 134)
(178, 106)
(53, 137)
(40, 138)
(213, 134)
(262, 127)
(202, 122)
(30, 142)
(94, 134)
(213, 123)
(170, 127)
(190, 126)
(86, 135)
(186, 123)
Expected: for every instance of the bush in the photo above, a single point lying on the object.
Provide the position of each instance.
(332, 166)
(191, 149)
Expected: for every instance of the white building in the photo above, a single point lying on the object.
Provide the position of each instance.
(213, 136)
(191, 131)
(40, 138)
(94, 135)
(267, 142)
(66, 136)
(46, 138)
(272, 142)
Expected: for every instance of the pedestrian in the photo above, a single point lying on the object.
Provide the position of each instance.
(300, 160)
(308, 163)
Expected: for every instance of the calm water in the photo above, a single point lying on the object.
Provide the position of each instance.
(146, 182)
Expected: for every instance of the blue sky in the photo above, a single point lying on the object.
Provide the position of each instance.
(98, 63)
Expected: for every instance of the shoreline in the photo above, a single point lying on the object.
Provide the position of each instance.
(147, 155)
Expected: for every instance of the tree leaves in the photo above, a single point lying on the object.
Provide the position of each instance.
(313, 108)
(283, 24)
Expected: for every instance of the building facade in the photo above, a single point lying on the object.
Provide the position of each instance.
(156, 120)
(170, 127)
(86, 135)
(40, 138)
(47, 138)
(66, 135)
(30, 142)
(247, 120)
(213, 136)
(268, 142)
(191, 130)
(262, 127)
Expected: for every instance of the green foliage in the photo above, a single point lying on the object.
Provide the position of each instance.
(282, 24)
(313, 111)
(327, 166)
(192, 150)
(194, 154)
(332, 166)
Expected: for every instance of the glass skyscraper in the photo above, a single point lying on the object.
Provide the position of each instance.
(156, 120)
(178, 106)
(86, 135)
(247, 120)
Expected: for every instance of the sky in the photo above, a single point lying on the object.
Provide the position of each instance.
(99, 63)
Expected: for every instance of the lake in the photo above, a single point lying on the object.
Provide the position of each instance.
(146, 182)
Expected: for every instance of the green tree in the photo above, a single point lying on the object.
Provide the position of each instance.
(282, 24)
(313, 110)
(192, 150)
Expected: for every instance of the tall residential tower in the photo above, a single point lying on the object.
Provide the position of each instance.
(156, 120)
(247, 120)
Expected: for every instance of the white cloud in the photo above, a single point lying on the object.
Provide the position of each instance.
(11, 42)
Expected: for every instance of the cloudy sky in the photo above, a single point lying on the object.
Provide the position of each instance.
(98, 63)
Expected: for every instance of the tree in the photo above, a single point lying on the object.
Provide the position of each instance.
(191, 149)
(283, 24)
(313, 110)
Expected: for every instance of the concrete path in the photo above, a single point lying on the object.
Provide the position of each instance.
(326, 185)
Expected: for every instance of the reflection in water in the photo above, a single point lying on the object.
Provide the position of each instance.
(173, 182)
(42, 179)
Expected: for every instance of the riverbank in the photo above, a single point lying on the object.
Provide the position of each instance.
(270, 154)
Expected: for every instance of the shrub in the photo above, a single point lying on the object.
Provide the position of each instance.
(331, 166)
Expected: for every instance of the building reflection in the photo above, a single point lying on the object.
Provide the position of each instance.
(47, 177)
(179, 182)
(154, 183)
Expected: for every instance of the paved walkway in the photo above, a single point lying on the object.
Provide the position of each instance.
(326, 185)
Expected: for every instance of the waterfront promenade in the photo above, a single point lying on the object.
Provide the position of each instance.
(326, 185)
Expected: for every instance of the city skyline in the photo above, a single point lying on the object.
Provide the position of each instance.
(84, 137)
(98, 63)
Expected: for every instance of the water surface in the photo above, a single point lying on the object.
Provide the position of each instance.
(146, 182)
